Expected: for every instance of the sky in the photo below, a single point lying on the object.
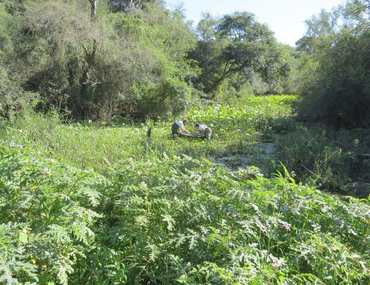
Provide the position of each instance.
(284, 17)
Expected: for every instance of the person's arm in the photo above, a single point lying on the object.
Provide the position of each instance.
(185, 131)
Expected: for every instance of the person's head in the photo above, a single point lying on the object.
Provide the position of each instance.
(185, 121)
(197, 125)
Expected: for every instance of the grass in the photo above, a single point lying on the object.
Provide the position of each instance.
(236, 129)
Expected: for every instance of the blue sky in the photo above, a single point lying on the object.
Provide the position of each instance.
(285, 17)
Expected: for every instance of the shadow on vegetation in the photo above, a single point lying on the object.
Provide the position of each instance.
(334, 160)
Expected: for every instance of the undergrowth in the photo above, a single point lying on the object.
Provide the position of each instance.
(88, 204)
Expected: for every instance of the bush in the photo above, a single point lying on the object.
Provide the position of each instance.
(181, 220)
(315, 157)
(13, 99)
(172, 97)
(340, 92)
(46, 217)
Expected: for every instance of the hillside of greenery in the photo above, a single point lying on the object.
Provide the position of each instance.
(94, 190)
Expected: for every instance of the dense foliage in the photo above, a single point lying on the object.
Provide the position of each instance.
(47, 214)
(88, 195)
(94, 68)
(159, 215)
(103, 59)
(236, 48)
(201, 225)
(338, 93)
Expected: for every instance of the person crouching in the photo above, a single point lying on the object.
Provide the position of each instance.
(204, 131)
(178, 129)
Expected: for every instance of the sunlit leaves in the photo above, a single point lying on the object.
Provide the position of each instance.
(47, 216)
(198, 213)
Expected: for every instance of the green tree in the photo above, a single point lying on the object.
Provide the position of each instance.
(235, 44)
(338, 93)
(321, 30)
(117, 63)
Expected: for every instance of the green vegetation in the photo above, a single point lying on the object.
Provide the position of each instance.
(98, 146)
(102, 66)
(166, 211)
(236, 49)
(104, 60)
(337, 92)
(280, 195)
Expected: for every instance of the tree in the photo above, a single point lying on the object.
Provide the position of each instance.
(235, 44)
(321, 30)
(338, 93)
(12, 96)
(356, 13)
(206, 28)
(90, 67)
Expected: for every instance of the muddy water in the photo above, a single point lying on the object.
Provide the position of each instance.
(236, 161)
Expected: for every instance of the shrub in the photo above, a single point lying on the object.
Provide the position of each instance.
(13, 99)
(181, 220)
(46, 217)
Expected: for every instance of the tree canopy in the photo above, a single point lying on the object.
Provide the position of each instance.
(236, 45)
(338, 93)
(103, 59)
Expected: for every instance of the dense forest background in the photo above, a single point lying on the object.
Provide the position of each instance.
(104, 59)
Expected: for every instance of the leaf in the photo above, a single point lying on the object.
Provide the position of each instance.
(170, 222)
